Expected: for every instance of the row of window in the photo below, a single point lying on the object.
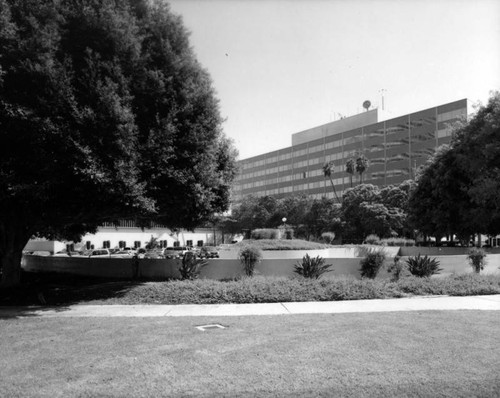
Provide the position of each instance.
(426, 136)
(403, 127)
(454, 114)
(137, 244)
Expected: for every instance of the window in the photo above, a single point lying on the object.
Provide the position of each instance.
(189, 243)
(176, 243)
(122, 244)
(87, 245)
(106, 244)
(199, 243)
(137, 244)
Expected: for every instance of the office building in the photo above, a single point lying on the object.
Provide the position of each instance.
(395, 148)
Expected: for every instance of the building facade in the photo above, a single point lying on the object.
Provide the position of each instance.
(127, 234)
(395, 148)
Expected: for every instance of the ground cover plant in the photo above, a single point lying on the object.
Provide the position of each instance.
(58, 290)
(402, 354)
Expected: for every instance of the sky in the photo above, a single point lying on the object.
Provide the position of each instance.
(283, 66)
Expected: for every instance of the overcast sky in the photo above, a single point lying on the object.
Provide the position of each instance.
(283, 66)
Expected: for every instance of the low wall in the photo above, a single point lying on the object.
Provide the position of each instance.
(225, 268)
(458, 264)
(440, 251)
(334, 252)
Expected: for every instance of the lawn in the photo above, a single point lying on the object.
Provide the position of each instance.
(423, 354)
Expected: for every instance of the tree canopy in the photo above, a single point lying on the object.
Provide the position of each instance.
(458, 190)
(105, 113)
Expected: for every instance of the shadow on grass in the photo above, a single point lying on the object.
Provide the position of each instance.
(40, 292)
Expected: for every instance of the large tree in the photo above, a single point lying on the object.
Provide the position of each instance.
(104, 113)
(458, 190)
(367, 209)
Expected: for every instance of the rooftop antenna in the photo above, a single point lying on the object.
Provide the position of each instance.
(382, 91)
(367, 105)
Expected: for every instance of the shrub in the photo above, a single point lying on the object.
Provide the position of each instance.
(372, 239)
(398, 269)
(249, 256)
(328, 237)
(289, 233)
(265, 233)
(311, 267)
(191, 266)
(371, 264)
(423, 266)
(476, 257)
(398, 242)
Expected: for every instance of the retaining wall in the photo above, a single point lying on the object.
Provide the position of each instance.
(225, 268)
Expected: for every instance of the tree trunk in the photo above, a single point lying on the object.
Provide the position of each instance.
(12, 242)
(334, 191)
(11, 269)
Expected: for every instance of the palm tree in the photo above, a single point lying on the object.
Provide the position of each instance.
(350, 167)
(328, 170)
(362, 164)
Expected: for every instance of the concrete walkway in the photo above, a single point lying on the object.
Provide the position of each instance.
(434, 303)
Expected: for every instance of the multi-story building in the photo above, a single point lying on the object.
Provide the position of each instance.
(395, 148)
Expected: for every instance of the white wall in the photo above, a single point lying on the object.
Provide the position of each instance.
(129, 235)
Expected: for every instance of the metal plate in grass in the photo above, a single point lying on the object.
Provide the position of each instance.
(208, 327)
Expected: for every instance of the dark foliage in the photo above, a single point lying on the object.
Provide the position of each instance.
(312, 267)
(423, 266)
(104, 114)
(371, 264)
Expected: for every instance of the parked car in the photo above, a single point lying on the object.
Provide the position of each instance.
(122, 254)
(64, 253)
(170, 252)
(97, 253)
(209, 252)
(153, 253)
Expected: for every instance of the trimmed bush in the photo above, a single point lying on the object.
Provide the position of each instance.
(249, 256)
(398, 242)
(265, 233)
(371, 264)
(372, 239)
(476, 257)
(423, 267)
(191, 266)
(328, 237)
(283, 244)
(311, 267)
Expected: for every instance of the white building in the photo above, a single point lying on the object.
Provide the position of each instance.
(127, 234)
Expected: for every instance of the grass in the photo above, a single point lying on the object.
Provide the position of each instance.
(433, 353)
(56, 290)
(282, 244)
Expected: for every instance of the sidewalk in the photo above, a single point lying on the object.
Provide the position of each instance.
(435, 303)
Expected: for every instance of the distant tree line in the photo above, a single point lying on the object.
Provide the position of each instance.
(365, 209)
